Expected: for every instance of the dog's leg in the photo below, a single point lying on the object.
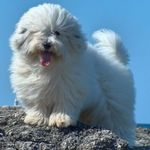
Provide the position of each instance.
(61, 120)
(64, 116)
(35, 117)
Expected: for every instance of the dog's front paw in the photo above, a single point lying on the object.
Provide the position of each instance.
(61, 120)
(34, 119)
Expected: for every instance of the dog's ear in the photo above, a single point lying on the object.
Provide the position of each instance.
(18, 38)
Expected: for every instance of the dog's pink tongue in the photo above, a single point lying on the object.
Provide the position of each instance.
(45, 58)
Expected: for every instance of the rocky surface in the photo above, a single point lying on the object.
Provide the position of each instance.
(15, 135)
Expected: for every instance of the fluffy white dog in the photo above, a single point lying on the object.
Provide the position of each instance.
(60, 79)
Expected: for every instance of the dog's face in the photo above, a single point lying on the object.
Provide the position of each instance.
(48, 32)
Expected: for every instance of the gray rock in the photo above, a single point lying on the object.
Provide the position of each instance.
(15, 135)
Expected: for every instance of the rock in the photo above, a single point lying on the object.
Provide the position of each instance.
(15, 135)
(143, 138)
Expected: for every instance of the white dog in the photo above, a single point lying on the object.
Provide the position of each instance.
(60, 79)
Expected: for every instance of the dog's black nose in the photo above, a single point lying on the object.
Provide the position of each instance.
(47, 45)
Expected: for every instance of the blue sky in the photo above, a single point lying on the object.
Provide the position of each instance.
(129, 18)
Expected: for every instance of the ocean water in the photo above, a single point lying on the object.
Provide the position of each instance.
(142, 125)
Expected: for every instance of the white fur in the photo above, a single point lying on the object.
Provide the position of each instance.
(90, 83)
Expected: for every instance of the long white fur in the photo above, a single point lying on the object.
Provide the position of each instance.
(90, 83)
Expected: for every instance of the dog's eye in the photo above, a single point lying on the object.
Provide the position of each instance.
(77, 36)
(57, 33)
(23, 31)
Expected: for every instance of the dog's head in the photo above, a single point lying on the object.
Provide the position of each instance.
(48, 32)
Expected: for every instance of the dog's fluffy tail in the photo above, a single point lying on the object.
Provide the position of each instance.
(110, 45)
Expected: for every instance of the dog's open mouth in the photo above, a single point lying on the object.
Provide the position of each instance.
(46, 58)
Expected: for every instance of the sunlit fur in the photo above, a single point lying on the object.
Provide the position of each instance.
(84, 82)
